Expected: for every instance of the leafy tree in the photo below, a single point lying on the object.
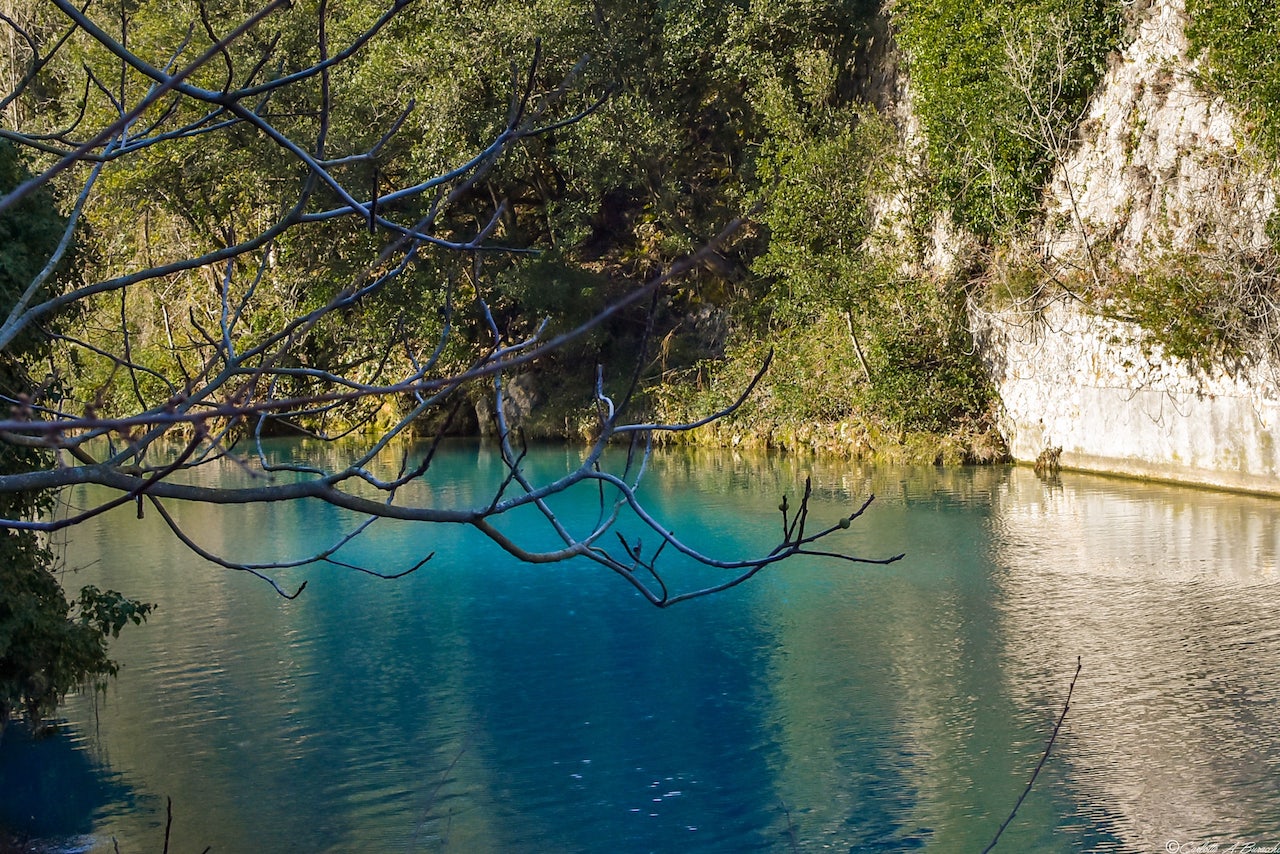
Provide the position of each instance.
(48, 645)
(1238, 38)
(886, 346)
(315, 217)
(974, 112)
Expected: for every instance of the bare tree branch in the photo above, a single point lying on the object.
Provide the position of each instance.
(214, 396)
(1044, 757)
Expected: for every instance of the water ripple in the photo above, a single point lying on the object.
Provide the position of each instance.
(485, 706)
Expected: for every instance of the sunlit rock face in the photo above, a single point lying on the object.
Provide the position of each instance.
(1158, 164)
(1071, 380)
(1158, 168)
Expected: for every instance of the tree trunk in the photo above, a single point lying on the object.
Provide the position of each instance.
(35, 720)
(857, 348)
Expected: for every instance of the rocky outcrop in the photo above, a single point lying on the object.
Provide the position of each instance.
(1159, 164)
(1157, 168)
(520, 397)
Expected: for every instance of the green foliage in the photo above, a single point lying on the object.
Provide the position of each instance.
(698, 90)
(1203, 307)
(107, 612)
(921, 371)
(925, 378)
(814, 375)
(1241, 41)
(47, 645)
(713, 106)
(29, 233)
(900, 346)
(925, 373)
(552, 286)
(998, 84)
(818, 213)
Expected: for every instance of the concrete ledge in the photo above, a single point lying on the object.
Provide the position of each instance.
(1087, 385)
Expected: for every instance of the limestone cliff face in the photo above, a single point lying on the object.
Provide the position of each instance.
(1157, 167)
(1158, 164)
(1157, 170)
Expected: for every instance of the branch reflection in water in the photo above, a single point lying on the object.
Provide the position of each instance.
(485, 705)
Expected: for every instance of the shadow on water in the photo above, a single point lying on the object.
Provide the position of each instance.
(483, 705)
(54, 790)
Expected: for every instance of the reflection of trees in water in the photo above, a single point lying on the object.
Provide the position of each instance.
(53, 786)
(756, 477)
(897, 665)
(368, 688)
(464, 472)
(1167, 593)
(891, 704)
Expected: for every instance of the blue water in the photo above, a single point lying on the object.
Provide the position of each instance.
(484, 705)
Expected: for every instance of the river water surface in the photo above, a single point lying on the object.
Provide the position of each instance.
(481, 705)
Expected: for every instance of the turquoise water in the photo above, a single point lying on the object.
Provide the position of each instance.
(482, 705)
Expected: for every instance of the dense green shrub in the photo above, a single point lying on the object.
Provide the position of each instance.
(1204, 306)
(998, 85)
(818, 211)
(925, 373)
(1241, 40)
(842, 317)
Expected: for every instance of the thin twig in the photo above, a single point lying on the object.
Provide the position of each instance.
(793, 838)
(168, 822)
(1044, 757)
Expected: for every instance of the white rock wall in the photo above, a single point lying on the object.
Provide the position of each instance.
(1157, 167)
(1158, 164)
(1074, 381)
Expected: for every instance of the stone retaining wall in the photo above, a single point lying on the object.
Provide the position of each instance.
(1075, 381)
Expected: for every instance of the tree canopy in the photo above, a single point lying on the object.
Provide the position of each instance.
(356, 221)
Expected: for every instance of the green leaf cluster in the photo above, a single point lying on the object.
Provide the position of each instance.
(820, 186)
(48, 646)
(29, 233)
(1241, 41)
(888, 346)
(695, 92)
(925, 371)
(998, 85)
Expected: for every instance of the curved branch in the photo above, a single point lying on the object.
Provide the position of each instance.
(241, 377)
